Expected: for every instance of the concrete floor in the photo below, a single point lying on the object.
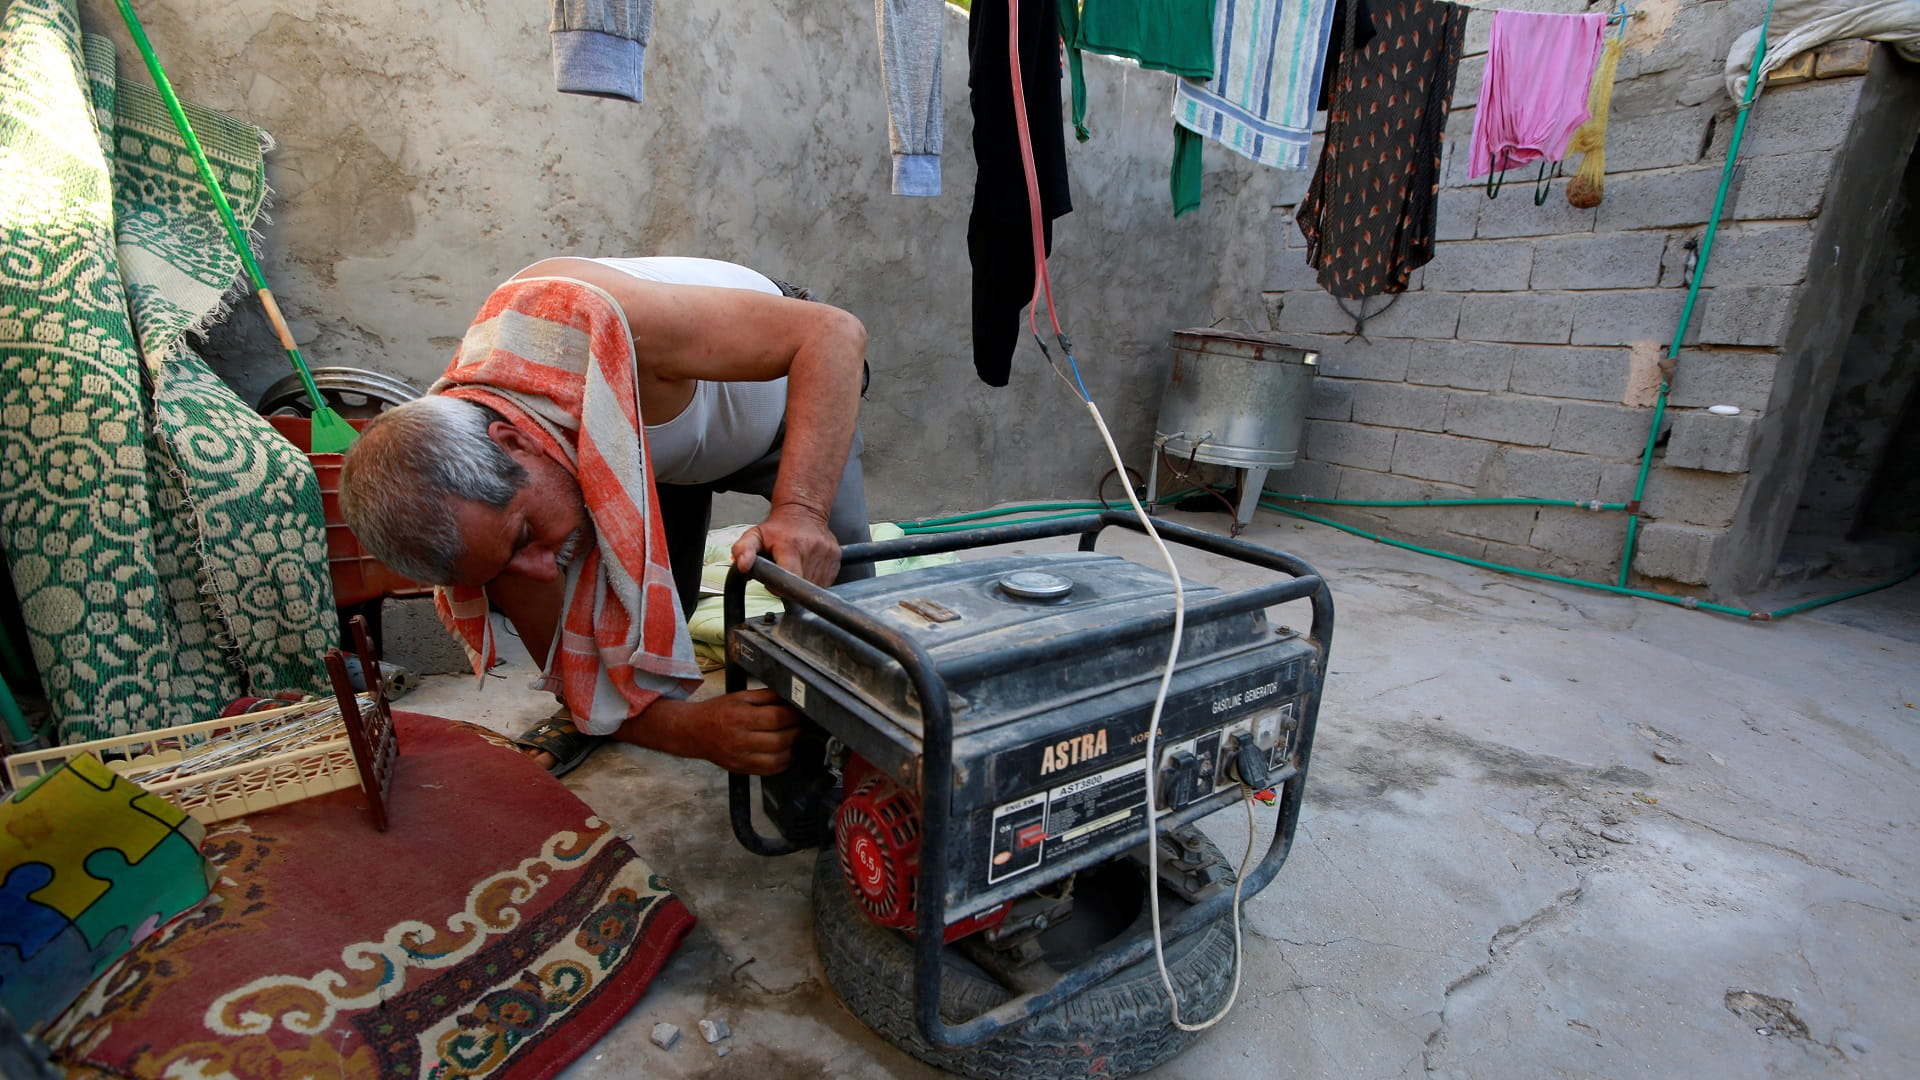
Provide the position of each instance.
(1548, 832)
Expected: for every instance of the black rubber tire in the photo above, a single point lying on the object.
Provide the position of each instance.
(1116, 1028)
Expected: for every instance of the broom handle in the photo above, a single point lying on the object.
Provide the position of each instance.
(225, 208)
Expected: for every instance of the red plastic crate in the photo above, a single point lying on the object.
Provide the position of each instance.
(357, 576)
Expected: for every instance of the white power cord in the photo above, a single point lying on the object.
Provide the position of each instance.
(1153, 733)
(1043, 285)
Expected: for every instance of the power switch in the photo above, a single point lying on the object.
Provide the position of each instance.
(1183, 778)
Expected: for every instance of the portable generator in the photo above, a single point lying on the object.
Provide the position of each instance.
(976, 770)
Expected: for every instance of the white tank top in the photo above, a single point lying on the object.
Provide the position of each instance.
(682, 270)
(728, 425)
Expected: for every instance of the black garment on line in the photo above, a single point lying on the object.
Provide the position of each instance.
(999, 232)
(1369, 212)
(1337, 46)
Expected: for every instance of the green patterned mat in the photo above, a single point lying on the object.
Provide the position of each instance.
(167, 546)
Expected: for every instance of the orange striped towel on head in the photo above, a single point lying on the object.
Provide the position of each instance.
(554, 356)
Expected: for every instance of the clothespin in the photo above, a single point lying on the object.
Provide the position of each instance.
(1621, 15)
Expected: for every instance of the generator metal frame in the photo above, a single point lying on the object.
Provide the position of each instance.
(936, 774)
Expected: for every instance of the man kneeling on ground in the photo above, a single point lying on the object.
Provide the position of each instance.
(523, 484)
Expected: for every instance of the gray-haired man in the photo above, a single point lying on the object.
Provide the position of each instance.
(740, 388)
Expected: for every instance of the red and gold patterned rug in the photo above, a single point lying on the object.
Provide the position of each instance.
(496, 930)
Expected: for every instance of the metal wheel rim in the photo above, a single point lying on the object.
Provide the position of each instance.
(383, 390)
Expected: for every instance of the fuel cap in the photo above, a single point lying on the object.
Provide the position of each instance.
(1036, 585)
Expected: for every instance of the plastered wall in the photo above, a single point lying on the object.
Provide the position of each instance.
(422, 155)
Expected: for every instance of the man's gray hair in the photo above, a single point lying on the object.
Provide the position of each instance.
(403, 473)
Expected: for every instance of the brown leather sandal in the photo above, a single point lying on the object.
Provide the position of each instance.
(557, 736)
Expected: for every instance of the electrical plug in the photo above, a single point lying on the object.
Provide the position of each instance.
(1250, 765)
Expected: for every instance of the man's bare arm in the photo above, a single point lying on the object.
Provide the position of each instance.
(751, 731)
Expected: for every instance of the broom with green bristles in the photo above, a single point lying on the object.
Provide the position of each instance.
(331, 433)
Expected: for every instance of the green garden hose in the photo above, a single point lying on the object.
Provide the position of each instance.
(1058, 510)
(1754, 78)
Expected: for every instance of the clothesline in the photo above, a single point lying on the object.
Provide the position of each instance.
(1617, 15)
(1383, 157)
(1257, 78)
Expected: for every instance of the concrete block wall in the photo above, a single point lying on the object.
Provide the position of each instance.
(1525, 359)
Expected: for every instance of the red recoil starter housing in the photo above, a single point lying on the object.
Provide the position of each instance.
(877, 837)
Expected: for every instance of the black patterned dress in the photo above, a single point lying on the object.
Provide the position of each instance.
(1369, 213)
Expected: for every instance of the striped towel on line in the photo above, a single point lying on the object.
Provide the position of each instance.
(554, 357)
(1268, 59)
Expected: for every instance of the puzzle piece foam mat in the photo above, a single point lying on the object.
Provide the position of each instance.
(90, 863)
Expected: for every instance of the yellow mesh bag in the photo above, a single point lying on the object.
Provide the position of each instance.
(1588, 185)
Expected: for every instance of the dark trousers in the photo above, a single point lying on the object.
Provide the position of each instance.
(686, 512)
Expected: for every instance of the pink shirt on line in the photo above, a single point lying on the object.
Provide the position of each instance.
(1533, 96)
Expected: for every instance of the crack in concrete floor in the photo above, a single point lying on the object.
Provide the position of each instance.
(1503, 942)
